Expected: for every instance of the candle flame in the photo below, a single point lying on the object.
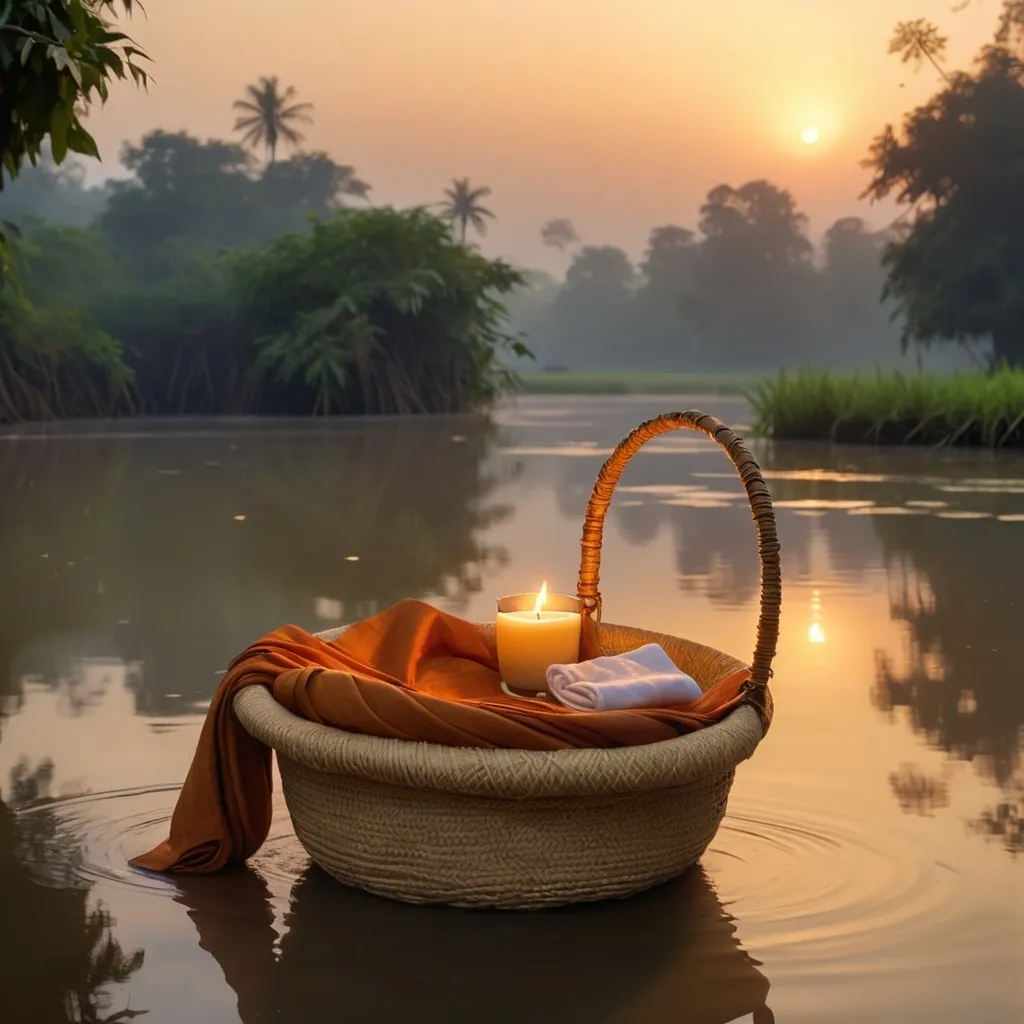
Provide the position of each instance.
(542, 597)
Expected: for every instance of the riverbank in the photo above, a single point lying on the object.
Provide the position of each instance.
(655, 382)
(967, 409)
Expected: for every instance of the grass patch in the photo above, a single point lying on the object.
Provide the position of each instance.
(893, 408)
(571, 382)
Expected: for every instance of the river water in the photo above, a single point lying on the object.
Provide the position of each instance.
(870, 868)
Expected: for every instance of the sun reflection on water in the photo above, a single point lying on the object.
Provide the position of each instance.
(816, 631)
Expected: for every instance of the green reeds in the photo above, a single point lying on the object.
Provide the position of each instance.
(893, 408)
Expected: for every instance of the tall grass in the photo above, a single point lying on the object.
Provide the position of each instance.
(893, 408)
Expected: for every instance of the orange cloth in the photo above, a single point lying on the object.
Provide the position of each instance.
(412, 672)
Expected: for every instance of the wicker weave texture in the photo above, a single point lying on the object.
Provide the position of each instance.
(425, 846)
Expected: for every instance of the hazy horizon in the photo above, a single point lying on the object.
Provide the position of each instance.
(618, 115)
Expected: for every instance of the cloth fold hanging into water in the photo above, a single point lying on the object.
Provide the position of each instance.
(412, 672)
(644, 678)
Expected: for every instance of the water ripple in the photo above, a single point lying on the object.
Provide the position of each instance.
(826, 886)
(108, 828)
(821, 885)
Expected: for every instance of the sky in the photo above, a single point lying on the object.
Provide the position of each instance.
(619, 114)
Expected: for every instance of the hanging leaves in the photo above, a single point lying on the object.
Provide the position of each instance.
(57, 57)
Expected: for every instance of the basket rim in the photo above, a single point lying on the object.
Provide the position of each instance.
(497, 772)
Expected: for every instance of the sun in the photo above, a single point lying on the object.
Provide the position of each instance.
(810, 135)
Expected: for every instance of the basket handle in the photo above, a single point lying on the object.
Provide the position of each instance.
(760, 505)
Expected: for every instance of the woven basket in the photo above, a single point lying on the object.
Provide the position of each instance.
(426, 823)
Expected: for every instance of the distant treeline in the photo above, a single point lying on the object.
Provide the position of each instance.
(746, 291)
(209, 283)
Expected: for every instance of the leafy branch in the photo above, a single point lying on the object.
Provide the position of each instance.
(57, 58)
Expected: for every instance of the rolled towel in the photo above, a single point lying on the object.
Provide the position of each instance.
(644, 678)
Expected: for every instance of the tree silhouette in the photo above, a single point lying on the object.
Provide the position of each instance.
(313, 181)
(918, 41)
(188, 196)
(668, 264)
(852, 282)
(462, 207)
(1010, 31)
(960, 681)
(559, 234)
(958, 274)
(267, 117)
(601, 267)
(917, 792)
(753, 280)
(762, 214)
(1004, 822)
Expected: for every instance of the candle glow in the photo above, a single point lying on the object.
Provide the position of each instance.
(534, 631)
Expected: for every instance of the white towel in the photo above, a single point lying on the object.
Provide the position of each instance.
(644, 678)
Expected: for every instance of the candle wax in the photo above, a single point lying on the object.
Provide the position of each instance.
(529, 642)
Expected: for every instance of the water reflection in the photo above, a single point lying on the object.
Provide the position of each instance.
(1004, 823)
(60, 958)
(713, 539)
(938, 529)
(917, 792)
(132, 567)
(666, 954)
(953, 584)
(128, 554)
(961, 680)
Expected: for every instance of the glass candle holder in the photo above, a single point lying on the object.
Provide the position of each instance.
(530, 640)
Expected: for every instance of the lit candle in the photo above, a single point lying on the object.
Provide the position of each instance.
(535, 631)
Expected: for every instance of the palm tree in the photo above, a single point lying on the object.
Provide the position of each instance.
(919, 41)
(268, 118)
(463, 206)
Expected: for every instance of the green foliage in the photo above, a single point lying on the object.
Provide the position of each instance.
(57, 57)
(181, 338)
(957, 271)
(379, 311)
(371, 311)
(53, 364)
(980, 409)
(66, 266)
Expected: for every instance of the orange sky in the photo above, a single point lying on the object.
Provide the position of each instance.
(619, 114)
